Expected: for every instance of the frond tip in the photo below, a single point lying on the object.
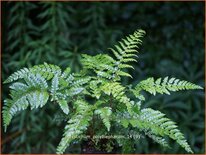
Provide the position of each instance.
(126, 51)
(163, 86)
(159, 125)
(45, 70)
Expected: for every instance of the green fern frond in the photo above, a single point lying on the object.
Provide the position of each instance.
(101, 64)
(124, 123)
(34, 97)
(105, 114)
(118, 92)
(126, 51)
(163, 86)
(66, 72)
(76, 125)
(54, 86)
(98, 62)
(99, 82)
(121, 66)
(104, 74)
(6, 113)
(38, 99)
(158, 139)
(46, 70)
(121, 73)
(94, 86)
(33, 93)
(113, 88)
(75, 91)
(159, 125)
(64, 106)
(70, 78)
(17, 75)
(81, 81)
(35, 80)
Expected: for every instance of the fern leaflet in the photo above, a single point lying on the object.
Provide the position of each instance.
(76, 125)
(105, 114)
(160, 125)
(126, 51)
(162, 86)
(46, 70)
(34, 93)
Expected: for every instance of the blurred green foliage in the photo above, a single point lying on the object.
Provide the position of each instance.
(59, 32)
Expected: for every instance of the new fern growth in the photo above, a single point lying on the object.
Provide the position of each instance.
(100, 80)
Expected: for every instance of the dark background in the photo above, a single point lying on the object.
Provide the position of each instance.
(58, 33)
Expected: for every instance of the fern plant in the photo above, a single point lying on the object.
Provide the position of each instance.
(97, 91)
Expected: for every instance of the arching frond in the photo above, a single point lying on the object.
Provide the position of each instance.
(17, 75)
(162, 86)
(125, 52)
(155, 122)
(33, 93)
(46, 70)
(76, 125)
